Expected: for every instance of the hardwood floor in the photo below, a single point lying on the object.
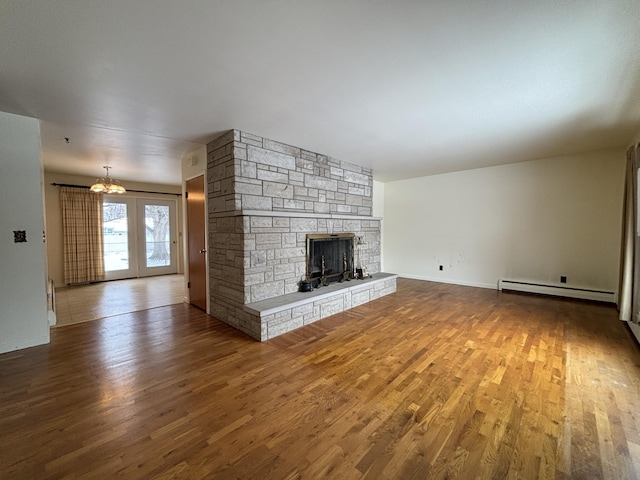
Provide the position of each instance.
(435, 381)
(81, 303)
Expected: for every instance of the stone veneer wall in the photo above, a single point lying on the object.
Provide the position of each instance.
(264, 197)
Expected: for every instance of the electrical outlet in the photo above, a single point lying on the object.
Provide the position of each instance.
(563, 279)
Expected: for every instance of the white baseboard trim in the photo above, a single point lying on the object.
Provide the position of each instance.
(22, 342)
(558, 290)
(490, 286)
(529, 287)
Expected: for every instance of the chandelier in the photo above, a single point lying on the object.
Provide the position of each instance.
(107, 184)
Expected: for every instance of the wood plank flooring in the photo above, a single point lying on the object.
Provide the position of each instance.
(435, 381)
(81, 303)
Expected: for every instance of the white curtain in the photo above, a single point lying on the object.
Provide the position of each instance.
(629, 300)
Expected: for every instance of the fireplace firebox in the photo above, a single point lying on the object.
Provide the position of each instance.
(330, 258)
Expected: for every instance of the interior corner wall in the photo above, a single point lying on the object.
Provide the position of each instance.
(534, 220)
(378, 211)
(23, 275)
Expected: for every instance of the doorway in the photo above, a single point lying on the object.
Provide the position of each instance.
(196, 232)
(139, 237)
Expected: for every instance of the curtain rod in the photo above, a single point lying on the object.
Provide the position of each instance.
(128, 190)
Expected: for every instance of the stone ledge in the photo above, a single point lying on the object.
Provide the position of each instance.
(278, 213)
(274, 305)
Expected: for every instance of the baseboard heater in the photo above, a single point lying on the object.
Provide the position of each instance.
(558, 290)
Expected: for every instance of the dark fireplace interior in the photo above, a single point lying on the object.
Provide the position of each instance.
(330, 258)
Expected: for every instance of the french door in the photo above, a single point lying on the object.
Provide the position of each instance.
(139, 237)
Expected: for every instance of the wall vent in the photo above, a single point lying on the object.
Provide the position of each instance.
(558, 291)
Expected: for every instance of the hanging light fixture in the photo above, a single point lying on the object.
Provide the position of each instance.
(107, 184)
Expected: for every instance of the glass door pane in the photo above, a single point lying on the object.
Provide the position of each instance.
(157, 237)
(157, 240)
(119, 257)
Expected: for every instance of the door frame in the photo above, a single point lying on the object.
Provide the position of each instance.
(185, 220)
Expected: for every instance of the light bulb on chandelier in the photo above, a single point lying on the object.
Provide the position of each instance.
(107, 184)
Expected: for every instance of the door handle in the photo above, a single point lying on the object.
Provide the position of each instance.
(203, 251)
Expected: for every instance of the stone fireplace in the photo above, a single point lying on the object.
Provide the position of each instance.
(266, 201)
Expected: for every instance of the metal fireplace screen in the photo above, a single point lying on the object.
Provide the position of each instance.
(330, 258)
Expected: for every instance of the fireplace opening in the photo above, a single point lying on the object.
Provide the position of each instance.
(330, 258)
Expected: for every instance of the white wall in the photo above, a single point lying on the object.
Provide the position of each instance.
(534, 220)
(23, 300)
(378, 199)
(55, 248)
(378, 211)
(194, 163)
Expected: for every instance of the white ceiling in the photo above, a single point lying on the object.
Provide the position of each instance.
(408, 88)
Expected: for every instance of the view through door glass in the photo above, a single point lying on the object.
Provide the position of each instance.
(156, 220)
(158, 242)
(117, 230)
